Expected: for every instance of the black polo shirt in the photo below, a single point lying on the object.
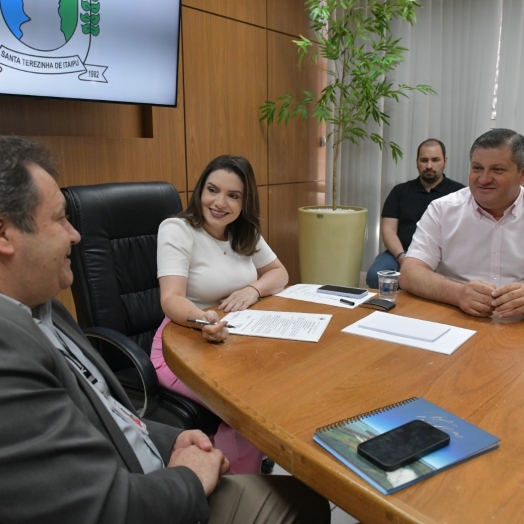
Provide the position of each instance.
(408, 201)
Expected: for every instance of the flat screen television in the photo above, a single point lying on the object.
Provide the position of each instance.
(103, 50)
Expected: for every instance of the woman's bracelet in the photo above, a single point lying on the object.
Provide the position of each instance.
(189, 314)
(401, 253)
(255, 290)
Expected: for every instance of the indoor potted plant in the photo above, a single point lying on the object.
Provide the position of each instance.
(355, 37)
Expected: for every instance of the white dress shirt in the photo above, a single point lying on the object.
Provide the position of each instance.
(462, 242)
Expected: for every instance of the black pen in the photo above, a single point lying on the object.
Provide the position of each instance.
(205, 322)
(347, 302)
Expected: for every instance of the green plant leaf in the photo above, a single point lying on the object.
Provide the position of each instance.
(300, 111)
(396, 151)
(267, 111)
(378, 140)
(303, 48)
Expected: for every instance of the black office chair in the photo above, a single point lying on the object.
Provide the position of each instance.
(116, 290)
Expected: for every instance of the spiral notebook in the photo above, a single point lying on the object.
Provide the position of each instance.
(341, 440)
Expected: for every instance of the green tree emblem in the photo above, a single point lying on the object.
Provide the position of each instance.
(91, 17)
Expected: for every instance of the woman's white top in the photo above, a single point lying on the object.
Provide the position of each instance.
(213, 270)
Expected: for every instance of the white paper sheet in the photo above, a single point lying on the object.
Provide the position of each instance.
(308, 292)
(450, 339)
(307, 327)
(404, 327)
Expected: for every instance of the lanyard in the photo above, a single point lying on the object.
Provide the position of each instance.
(98, 384)
(116, 406)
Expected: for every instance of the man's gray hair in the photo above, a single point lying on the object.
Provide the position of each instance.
(19, 195)
(498, 138)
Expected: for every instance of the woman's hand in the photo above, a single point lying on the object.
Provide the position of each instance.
(217, 332)
(239, 300)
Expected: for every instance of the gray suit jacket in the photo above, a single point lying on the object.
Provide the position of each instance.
(62, 456)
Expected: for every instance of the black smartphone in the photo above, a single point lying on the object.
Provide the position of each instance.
(343, 291)
(378, 303)
(403, 445)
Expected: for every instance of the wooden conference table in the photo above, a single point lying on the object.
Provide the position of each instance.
(277, 392)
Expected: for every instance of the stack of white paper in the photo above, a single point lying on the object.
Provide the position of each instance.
(421, 334)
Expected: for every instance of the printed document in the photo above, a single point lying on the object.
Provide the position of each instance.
(307, 327)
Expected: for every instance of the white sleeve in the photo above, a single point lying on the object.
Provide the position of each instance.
(175, 247)
(264, 254)
(427, 240)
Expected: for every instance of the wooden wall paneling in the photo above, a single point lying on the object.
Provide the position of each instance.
(295, 151)
(169, 146)
(100, 158)
(264, 211)
(250, 11)
(66, 297)
(288, 16)
(55, 117)
(284, 201)
(225, 82)
(95, 161)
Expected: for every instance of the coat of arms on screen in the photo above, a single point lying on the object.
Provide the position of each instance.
(50, 37)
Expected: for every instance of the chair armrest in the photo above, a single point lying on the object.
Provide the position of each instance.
(190, 414)
(139, 359)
